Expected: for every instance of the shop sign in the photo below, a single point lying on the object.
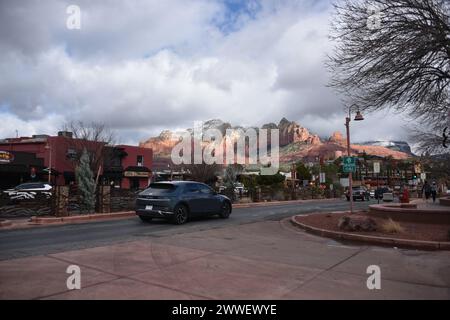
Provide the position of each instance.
(6, 157)
(134, 174)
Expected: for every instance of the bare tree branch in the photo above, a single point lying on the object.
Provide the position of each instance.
(403, 63)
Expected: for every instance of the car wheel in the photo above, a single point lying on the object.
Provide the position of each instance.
(146, 219)
(225, 210)
(180, 214)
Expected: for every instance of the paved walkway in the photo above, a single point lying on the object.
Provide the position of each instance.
(430, 205)
(262, 260)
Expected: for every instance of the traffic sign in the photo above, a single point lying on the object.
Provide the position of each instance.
(322, 177)
(376, 167)
(349, 164)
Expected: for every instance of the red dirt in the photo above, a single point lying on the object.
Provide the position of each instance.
(412, 231)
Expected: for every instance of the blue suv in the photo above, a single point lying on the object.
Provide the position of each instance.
(178, 201)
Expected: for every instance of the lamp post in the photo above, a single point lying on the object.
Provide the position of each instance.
(47, 146)
(358, 117)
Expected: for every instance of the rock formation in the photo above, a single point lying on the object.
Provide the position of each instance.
(296, 143)
(357, 223)
(337, 137)
(161, 145)
(291, 132)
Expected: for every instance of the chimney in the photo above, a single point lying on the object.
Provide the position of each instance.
(66, 134)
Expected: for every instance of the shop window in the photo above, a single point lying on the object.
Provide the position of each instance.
(140, 161)
(71, 154)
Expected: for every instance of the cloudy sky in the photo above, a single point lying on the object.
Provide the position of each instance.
(142, 66)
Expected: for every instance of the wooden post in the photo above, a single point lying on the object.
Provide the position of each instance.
(104, 199)
(60, 201)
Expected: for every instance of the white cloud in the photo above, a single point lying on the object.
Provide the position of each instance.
(143, 66)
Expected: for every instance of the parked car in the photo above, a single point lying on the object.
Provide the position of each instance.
(372, 193)
(380, 191)
(178, 201)
(239, 189)
(29, 191)
(359, 193)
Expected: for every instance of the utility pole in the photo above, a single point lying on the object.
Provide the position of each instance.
(350, 174)
(358, 117)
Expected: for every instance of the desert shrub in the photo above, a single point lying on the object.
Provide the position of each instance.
(391, 226)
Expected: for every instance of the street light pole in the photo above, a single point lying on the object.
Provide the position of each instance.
(350, 175)
(358, 117)
(50, 162)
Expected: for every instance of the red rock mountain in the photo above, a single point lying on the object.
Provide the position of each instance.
(296, 143)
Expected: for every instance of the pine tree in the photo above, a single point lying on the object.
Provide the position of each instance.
(86, 183)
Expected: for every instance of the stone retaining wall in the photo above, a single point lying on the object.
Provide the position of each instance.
(396, 213)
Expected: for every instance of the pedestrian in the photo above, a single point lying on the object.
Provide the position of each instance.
(434, 191)
(427, 190)
(419, 191)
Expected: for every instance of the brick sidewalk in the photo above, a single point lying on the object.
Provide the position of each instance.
(263, 260)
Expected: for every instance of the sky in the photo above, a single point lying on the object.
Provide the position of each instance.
(143, 66)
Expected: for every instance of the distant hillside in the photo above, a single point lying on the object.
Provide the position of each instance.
(296, 143)
(401, 146)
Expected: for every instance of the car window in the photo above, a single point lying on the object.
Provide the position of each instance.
(191, 187)
(26, 186)
(160, 188)
(205, 189)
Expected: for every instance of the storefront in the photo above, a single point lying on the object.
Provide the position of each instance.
(26, 159)
(136, 177)
(18, 167)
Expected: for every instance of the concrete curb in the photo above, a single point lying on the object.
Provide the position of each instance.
(383, 241)
(404, 209)
(444, 202)
(5, 223)
(276, 203)
(81, 218)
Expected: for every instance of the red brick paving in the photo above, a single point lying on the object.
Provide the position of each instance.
(264, 260)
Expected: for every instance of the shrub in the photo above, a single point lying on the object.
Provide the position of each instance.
(391, 226)
(86, 183)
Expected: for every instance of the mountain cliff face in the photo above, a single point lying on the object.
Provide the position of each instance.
(162, 144)
(291, 132)
(401, 146)
(296, 143)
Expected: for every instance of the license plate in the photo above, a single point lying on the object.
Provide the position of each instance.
(148, 207)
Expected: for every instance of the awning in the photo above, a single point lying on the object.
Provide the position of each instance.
(14, 168)
(118, 169)
(138, 169)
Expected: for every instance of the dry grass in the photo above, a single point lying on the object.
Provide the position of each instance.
(391, 226)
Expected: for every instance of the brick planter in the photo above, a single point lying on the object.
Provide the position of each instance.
(374, 240)
(444, 202)
(410, 214)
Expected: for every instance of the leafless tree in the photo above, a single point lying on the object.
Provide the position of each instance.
(92, 131)
(394, 54)
(206, 173)
(95, 137)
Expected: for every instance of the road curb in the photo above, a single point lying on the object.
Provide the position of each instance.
(81, 218)
(5, 223)
(382, 241)
(275, 203)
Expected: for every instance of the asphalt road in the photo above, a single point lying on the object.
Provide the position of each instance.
(52, 239)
